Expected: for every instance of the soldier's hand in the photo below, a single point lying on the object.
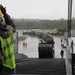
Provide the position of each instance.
(1, 6)
(3, 9)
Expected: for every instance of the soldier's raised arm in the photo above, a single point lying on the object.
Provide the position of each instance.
(7, 18)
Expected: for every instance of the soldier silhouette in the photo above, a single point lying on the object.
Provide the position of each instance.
(62, 53)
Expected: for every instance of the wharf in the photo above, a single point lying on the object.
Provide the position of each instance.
(36, 66)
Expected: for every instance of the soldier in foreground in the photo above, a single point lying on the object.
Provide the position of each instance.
(7, 58)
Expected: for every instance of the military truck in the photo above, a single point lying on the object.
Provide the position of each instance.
(46, 49)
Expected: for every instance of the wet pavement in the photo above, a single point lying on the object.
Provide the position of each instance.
(41, 66)
(28, 62)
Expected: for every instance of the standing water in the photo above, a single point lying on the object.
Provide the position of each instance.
(31, 50)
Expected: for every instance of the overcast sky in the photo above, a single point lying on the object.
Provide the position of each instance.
(36, 9)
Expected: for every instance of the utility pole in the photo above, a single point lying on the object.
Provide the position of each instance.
(69, 17)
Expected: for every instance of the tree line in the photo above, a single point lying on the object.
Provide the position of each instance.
(42, 24)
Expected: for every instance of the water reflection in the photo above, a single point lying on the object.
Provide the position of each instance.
(31, 50)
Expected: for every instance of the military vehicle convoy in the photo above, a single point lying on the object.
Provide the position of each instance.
(46, 45)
